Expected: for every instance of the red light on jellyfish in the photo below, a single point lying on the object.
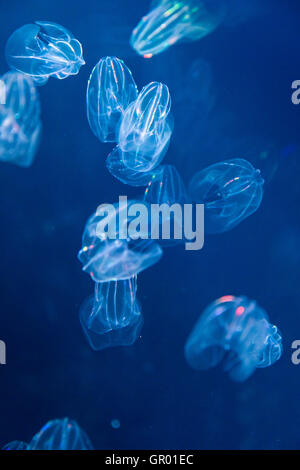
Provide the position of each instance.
(239, 311)
(226, 298)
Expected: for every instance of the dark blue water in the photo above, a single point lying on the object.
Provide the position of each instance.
(51, 372)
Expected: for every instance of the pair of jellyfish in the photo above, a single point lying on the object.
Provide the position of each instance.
(20, 125)
(140, 123)
(42, 50)
(234, 331)
(34, 52)
(112, 317)
(58, 434)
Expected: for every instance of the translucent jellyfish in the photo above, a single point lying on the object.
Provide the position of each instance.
(15, 445)
(146, 128)
(116, 166)
(166, 187)
(44, 50)
(171, 21)
(113, 316)
(111, 88)
(20, 125)
(60, 434)
(231, 191)
(108, 253)
(234, 330)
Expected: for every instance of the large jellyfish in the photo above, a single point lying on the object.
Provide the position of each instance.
(42, 50)
(231, 191)
(234, 330)
(111, 88)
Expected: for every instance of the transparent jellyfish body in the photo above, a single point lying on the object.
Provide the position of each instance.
(20, 125)
(111, 88)
(234, 330)
(167, 187)
(171, 21)
(108, 252)
(231, 191)
(117, 168)
(112, 317)
(60, 434)
(42, 50)
(146, 128)
(15, 445)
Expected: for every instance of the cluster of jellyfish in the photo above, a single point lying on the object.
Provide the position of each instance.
(232, 330)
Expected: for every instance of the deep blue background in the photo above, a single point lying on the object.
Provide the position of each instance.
(51, 371)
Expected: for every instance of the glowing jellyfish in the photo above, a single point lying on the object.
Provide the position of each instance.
(20, 125)
(146, 128)
(231, 191)
(60, 434)
(117, 168)
(171, 21)
(108, 251)
(111, 88)
(112, 317)
(44, 50)
(234, 330)
(15, 445)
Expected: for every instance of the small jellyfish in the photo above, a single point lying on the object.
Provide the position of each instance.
(15, 445)
(20, 125)
(115, 423)
(117, 168)
(113, 317)
(44, 50)
(234, 330)
(171, 21)
(146, 128)
(231, 191)
(111, 88)
(108, 251)
(60, 434)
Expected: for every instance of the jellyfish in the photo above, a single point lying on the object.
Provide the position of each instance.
(113, 316)
(60, 434)
(171, 21)
(44, 50)
(111, 88)
(146, 128)
(20, 125)
(231, 191)
(234, 330)
(109, 251)
(166, 187)
(15, 445)
(117, 168)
